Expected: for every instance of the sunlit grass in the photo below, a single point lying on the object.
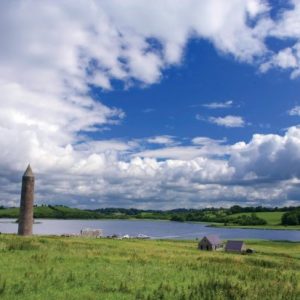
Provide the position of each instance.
(78, 268)
(272, 218)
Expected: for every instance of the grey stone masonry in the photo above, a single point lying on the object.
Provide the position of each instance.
(26, 205)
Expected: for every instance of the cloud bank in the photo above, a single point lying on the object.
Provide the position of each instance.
(206, 172)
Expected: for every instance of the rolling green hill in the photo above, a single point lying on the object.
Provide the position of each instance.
(52, 212)
(272, 218)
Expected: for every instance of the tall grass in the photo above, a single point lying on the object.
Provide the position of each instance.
(75, 268)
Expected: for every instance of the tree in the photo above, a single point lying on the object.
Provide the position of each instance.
(291, 218)
(177, 218)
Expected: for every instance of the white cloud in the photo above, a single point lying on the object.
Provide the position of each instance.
(269, 156)
(203, 140)
(288, 23)
(285, 59)
(215, 105)
(208, 172)
(177, 152)
(161, 139)
(295, 111)
(228, 121)
(287, 26)
(200, 147)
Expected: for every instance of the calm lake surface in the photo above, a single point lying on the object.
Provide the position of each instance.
(154, 229)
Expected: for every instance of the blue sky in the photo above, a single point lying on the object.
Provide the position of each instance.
(170, 106)
(151, 104)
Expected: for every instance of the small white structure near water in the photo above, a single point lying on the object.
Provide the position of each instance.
(91, 232)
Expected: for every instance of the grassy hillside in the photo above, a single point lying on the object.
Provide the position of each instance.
(77, 268)
(273, 221)
(64, 212)
(272, 218)
(53, 212)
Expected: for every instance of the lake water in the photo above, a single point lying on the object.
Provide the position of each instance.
(154, 229)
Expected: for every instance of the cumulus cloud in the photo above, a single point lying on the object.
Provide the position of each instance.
(207, 172)
(270, 156)
(286, 27)
(284, 59)
(228, 121)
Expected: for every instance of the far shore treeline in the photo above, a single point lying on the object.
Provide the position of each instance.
(235, 215)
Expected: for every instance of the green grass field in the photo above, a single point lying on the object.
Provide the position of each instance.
(78, 268)
(272, 218)
(53, 212)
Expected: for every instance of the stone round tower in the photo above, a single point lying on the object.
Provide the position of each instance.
(26, 205)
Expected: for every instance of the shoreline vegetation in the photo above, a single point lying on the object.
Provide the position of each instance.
(285, 218)
(41, 267)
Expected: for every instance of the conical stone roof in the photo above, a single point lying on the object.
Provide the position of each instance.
(28, 172)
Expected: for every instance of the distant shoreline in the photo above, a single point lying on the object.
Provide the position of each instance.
(234, 217)
(208, 224)
(258, 227)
